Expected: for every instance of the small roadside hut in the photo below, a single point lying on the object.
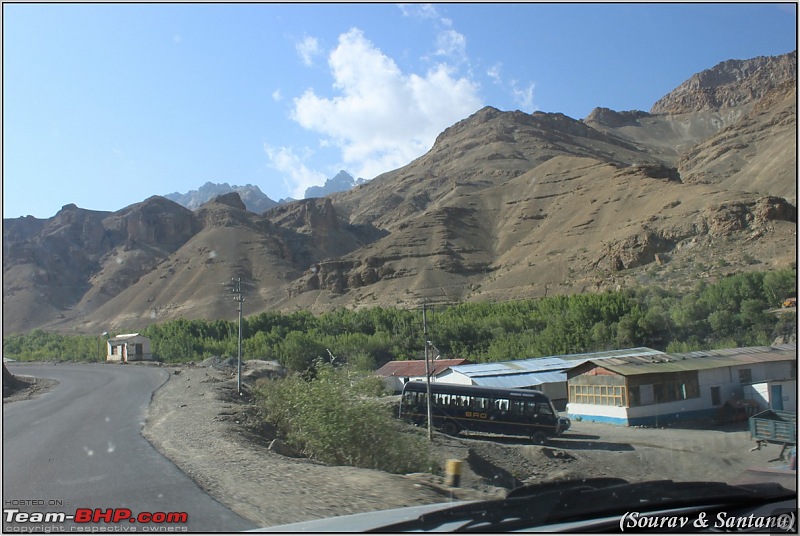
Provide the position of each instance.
(128, 347)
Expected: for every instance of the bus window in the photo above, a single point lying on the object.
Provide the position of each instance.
(517, 407)
(481, 403)
(530, 408)
(544, 408)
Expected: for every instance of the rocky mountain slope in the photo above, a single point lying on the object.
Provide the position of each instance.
(505, 205)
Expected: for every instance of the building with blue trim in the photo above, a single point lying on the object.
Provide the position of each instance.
(659, 388)
(545, 374)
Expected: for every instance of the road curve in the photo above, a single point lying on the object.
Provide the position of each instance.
(80, 446)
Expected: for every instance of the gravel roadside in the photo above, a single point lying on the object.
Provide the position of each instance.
(217, 438)
(196, 420)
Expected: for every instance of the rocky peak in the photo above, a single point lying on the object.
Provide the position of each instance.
(611, 118)
(231, 199)
(342, 182)
(483, 115)
(729, 84)
(252, 196)
(156, 221)
(308, 215)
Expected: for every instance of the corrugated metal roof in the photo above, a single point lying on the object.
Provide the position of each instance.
(625, 352)
(521, 380)
(701, 360)
(416, 367)
(513, 367)
(543, 364)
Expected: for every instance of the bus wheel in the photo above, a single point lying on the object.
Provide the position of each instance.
(539, 438)
(450, 428)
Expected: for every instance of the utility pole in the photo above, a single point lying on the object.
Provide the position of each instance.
(236, 287)
(427, 370)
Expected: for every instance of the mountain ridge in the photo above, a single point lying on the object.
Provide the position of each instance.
(505, 205)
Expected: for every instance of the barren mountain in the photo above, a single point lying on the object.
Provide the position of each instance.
(254, 199)
(731, 84)
(505, 205)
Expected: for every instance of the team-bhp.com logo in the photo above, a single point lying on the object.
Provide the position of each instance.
(94, 515)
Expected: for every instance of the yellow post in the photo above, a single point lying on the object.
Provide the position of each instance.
(453, 472)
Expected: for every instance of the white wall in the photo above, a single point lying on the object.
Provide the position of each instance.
(758, 392)
(762, 392)
(451, 376)
(591, 412)
(732, 389)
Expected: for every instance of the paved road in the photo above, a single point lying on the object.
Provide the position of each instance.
(80, 445)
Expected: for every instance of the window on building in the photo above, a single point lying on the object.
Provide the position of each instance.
(601, 395)
(675, 390)
(745, 375)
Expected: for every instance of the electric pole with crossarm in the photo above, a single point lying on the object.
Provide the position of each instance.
(236, 288)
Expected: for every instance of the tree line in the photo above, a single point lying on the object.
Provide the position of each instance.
(731, 312)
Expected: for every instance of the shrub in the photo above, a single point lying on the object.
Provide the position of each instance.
(328, 419)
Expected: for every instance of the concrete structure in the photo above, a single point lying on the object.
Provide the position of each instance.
(396, 373)
(130, 347)
(662, 388)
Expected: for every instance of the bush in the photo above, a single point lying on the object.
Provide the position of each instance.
(328, 419)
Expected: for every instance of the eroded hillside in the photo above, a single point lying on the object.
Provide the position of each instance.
(505, 205)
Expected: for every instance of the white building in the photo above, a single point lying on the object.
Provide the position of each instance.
(129, 347)
(654, 390)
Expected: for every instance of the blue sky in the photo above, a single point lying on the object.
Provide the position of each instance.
(105, 105)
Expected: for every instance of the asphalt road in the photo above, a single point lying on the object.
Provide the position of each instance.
(79, 446)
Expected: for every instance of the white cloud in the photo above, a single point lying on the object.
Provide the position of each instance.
(383, 118)
(297, 176)
(452, 44)
(277, 96)
(307, 49)
(423, 11)
(523, 97)
(494, 73)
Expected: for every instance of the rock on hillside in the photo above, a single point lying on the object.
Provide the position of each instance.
(729, 84)
(756, 154)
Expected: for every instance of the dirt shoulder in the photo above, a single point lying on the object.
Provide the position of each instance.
(20, 387)
(216, 438)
